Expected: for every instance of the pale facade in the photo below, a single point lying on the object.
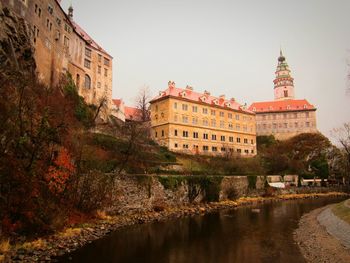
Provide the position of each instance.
(191, 122)
(284, 117)
(61, 46)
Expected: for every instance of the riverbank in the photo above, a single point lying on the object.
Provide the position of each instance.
(74, 237)
(323, 237)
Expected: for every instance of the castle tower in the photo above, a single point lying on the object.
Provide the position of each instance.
(284, 86)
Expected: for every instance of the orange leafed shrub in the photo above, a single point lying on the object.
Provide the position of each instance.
(59, 173)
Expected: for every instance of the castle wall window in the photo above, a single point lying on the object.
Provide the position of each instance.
(223, 149)
(87, 82)
(184, 107)
(175, 132)
(78, 81)
(229, 115)
(222, 138)
(99, 69)
(245, 140)
(194, 108)
(99, 57)
(87, 63)
(88, 52)
(213, 123)
(230, 139)
(185, 146)
(106, 62)
(185, 134)
(205, 148)
(162, 133)
(285, 93)
(195, 135)
(222, 114)
(175, 105)
(213, 137)
(212, 112)
(238, 139)
(205, 111)
(205, 136)
(214, 149)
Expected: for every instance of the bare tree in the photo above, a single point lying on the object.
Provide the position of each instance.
(142, 103)
(342, 134)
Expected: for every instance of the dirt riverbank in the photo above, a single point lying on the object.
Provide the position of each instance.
(48, 248)
(315, 242)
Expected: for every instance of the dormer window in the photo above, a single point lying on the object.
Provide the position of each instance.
(288, 107)
(203, 98)
(183, 94)
(216, 102)
(305, 106)
(254, 109)
(227, 104)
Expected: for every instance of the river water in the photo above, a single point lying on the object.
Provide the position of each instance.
(238, 235)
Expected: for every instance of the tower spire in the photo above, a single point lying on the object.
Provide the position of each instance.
(283, 83)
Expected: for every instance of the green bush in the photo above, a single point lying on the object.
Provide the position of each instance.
(171, 182)
(252, 182)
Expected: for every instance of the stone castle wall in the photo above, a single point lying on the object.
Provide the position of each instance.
(146, 193)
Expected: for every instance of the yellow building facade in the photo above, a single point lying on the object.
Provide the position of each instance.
(194, 123)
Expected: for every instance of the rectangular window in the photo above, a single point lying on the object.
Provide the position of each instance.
(213, 137)
(194, 120)
(222, 114)
(223, 149)
(99, 85)
(175, 145)
(246, 151)
(194, 108)
(229, 115)
(66, 41)
(230, 139)
(212, 112)
(230, 126)
(184, 119)
(222, 138)
(214, 149)
(307, 114)
(106, 62)
(205, 148)
(175, 105)
(99, 57)
(99, 69)
(296, 125)
(184, 107)
(238, 140)
(205, 136)
(245, 140)
(50, 9)
(87, 63)
(222, 124)
(205, 122)
(205, 111)
(239, 150)
(185, 134)
(175, 118)
(162, 133)
(175, 132)
(88, 52)
(237, 117)
(195, 135)
(106, 72)
(238, 127)
(185, 146)
(252, 141)
(213, 123)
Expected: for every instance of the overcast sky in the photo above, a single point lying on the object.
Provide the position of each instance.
(227, 47)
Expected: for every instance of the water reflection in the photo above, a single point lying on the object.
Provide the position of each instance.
(239, 235)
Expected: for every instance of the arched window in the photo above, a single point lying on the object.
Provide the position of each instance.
(78, 81)
(87, 82)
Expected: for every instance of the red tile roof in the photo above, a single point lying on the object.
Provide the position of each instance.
(117, 102)
(281, 105)
(88, 39)
(132, 113)
(205, 98)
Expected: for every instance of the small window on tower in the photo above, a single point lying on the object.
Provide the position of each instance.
(286, 93)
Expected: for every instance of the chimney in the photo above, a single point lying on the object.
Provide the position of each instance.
(70, 12)
(189, 88)
(232, 99)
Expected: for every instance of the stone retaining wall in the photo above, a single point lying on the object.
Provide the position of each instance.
(146, 192)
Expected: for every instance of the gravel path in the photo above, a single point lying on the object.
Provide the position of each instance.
(316, 244)
(335, 226)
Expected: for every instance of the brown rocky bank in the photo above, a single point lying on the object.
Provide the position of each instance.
(316, 244)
